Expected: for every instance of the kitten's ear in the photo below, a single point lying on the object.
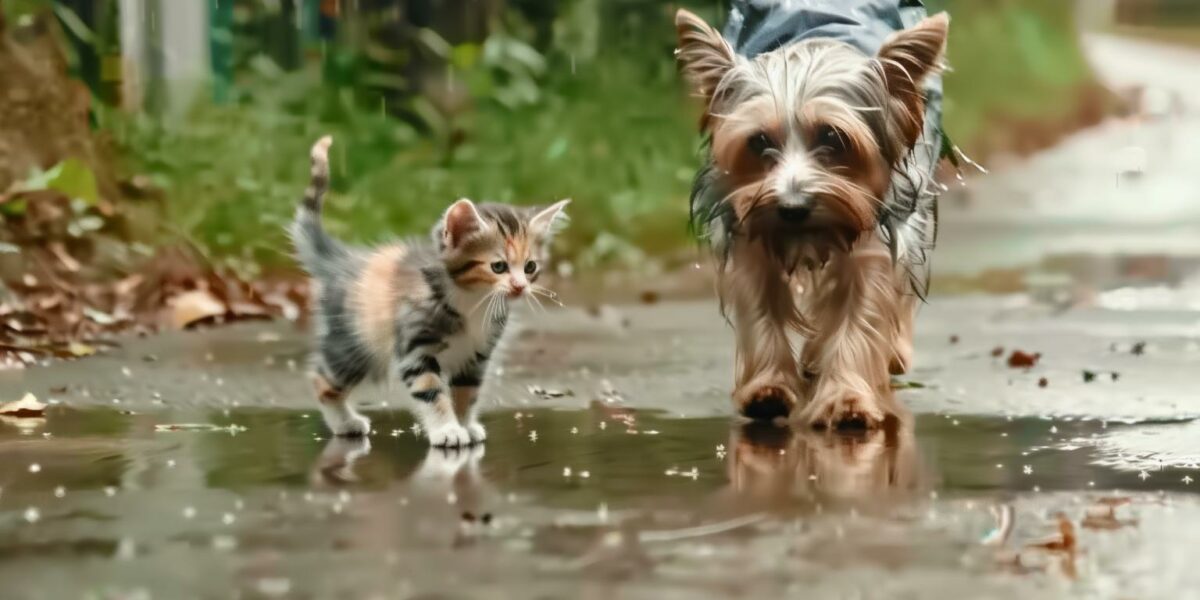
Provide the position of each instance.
(704, 56)
(461, 220)
(544, 221)
(907, 58)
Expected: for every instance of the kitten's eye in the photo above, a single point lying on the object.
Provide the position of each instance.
(499, 267)
(530, 267)
(760, 144)
(830, 139)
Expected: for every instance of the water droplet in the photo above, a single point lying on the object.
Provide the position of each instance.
(35, 468)
(1028, 470)
(60, 491)
(32, 514)
(110, 491)
(189, 512)
(126, 549)
(566, 471)
(126, 372)
(171, 464)
(228, 518)
(585, 474)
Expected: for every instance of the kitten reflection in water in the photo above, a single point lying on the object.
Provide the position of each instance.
(443, 502)
(772, 465)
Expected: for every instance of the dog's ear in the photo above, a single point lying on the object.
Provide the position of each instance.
(703, 55)
(906, 58)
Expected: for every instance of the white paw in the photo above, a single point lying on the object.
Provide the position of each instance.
(451, 435)
(354, 425)
(477, 432)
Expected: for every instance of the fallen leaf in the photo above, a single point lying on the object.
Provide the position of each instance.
(1023, 360)
(1138, 349)
(27, 406)
(1043, 382)
(196, 305)
(998, 351)
(1089, 376)
(1063, 541)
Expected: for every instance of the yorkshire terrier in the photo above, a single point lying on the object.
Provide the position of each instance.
(822, 122)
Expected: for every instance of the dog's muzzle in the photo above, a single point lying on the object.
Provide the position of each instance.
(796, 210)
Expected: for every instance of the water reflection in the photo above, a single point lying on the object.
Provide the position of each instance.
(773, 465)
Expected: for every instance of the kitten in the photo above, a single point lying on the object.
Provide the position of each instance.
(428, 313)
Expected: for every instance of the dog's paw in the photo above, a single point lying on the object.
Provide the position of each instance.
(477, 432)
(450, 435)
(351, 426)
(844, 409)
(765, 402)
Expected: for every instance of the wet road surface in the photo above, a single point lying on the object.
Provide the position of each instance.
(593, 503)
(613, 467)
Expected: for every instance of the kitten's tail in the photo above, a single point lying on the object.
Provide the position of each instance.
(316, 250)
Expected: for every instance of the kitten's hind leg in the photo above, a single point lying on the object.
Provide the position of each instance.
(340, 417)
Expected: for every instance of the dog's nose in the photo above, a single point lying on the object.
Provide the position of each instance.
(794, 214)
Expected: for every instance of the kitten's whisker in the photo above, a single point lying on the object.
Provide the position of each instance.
(485, 298)
(547, 292)
(534, 298)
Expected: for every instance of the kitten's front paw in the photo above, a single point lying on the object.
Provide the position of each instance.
(451, 435)
(477, 432)
(354, 425)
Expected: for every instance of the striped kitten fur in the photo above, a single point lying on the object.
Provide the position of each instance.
(425, 312)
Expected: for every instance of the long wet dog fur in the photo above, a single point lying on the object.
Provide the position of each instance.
(808, 148)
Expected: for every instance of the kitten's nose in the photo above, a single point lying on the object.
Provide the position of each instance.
(516, 291)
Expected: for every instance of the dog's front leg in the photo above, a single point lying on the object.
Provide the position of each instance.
(855, 315)
(756, 290)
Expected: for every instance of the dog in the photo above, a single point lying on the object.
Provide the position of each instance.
(822, 128)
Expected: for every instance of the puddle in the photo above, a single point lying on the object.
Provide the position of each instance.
(568, 502)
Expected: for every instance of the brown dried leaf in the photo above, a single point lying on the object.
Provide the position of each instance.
(1023, 360)
(196, 305)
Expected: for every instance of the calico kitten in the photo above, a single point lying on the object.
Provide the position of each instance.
(428, 313)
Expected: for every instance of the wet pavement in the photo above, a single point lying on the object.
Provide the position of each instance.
(196, 461)
(593, 502)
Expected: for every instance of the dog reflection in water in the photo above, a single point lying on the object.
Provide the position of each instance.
(443, 502)
(771, 465)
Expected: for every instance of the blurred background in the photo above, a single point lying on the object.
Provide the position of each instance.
(175, 134)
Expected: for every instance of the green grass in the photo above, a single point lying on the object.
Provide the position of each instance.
(617, 136)
(1017, 59)
(624, 153)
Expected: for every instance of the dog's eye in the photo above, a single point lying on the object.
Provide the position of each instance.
(499, 267)
(760, 143)
(830, 139)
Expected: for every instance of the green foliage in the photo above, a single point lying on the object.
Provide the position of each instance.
(1019, 59)
(595, 112)
(614, 136)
